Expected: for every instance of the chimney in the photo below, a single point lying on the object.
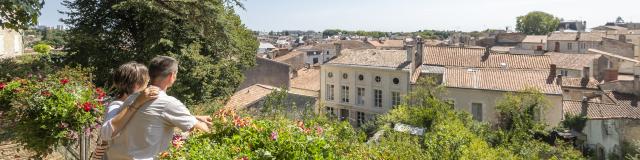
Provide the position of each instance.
(622, 38)
(553, 69)
(417, 61)
(487, 50)
(636, 85)
(338, 49)
(585, 73)
(559, 80)
(409, 49)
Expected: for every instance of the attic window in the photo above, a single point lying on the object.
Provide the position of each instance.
(330, 74)
(396, 80)
(345, 76)
(361, 77)
(378, 79)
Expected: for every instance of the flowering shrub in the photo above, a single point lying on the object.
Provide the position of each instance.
(235, 137)
(50, 110)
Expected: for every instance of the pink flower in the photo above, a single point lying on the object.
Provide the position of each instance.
(63, 125)
(319, 130)
(46, 93)
(176, 141)
(2, 85)
(274, 135)
(64, 81)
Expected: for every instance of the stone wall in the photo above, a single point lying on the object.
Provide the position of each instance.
(267, 72)
(618, 47)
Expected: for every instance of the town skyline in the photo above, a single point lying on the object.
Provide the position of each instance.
(279, 15)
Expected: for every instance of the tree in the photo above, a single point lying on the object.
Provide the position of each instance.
(42, 48)
(20, 14)
(537, 23)
(206, 36)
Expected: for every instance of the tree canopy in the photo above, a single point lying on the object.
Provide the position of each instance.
(207, 37)
(20, 14)
(537, 23)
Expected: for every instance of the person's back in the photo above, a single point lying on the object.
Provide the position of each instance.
(150, 130)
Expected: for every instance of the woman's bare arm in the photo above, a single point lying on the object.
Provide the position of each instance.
(122, 118)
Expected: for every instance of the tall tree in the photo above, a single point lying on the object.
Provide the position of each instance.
(206, 36)
(537, 23)
(19, 14)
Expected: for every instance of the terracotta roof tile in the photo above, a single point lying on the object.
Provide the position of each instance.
(387, 43)
(580, 83)
(308, 79)
(563, 36)
(501, 79)
(346, 44)
(624, 106)
(248, 96)
(288, 55)
(475, 57)
(572, 61)
(535, 39)
(373, 57)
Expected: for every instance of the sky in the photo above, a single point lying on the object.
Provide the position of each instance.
(407, 15)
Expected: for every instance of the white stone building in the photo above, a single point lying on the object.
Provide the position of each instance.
(10, 43)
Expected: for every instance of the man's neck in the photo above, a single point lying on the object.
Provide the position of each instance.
(162, 87)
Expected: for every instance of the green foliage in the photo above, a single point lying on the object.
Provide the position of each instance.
(234, 137)
(275, 102)
(333, 32)
(631, 150)
(574, 122)
(19, 15)
(207, 37)
(537, 23)
(434, 34)
(42, 48)
(48, 111)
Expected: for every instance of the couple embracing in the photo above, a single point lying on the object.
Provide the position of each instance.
(141, 117)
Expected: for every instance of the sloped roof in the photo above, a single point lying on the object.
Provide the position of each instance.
(288, 56)
(572, 61)
(373, 57)
(591, 36)
(563, 36)
(387, 43)
(248, 96)
(535, 39)
(580, 83)
(623, 106)
(346, 44)
(266, 45)
(308, 79)
(501, 79)
(476, 58)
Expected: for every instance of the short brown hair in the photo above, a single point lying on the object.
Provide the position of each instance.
(161, 66)
(127, 76)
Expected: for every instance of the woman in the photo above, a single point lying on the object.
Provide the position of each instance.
(128, 79)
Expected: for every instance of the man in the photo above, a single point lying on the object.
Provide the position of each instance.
(150, 130)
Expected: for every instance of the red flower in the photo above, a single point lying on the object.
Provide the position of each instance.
(2, 85)
(46, 93)
(319, 130)
(244, 158)
(100, 93)
(64, 81)
(87, 106)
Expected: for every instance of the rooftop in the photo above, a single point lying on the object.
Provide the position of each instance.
(288, 56)
(572, 61)
(573, 36)
(476, 58)
(307, 79)
(623, 106)
(501, 79)
(248, 96)
(373, 58)
(387, 43)
(346, 44)
(535, 39)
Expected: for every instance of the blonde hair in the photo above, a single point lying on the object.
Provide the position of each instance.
(128, 76)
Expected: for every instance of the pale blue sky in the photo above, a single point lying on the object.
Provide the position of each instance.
(408, 15)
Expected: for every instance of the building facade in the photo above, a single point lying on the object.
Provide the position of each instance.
(10, 43)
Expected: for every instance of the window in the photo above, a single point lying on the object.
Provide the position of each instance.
(395, 98)
(377, 98)
(360, 77)
(361, 118)
(378, 79)
(329, 111)
(396, 80)
(476, 110)
(330, 92)
(345, 76)
(583, 45)
(564, 73)
(344, 94)
(330, 74)
(315, 60)
(570, 46)
(360, 99)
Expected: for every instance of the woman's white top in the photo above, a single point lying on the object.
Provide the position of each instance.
(112, 110)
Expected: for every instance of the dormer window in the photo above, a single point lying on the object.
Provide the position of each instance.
(360, 77)
(396, 81)
(330, 74)
(378, 79)
(345, 76)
